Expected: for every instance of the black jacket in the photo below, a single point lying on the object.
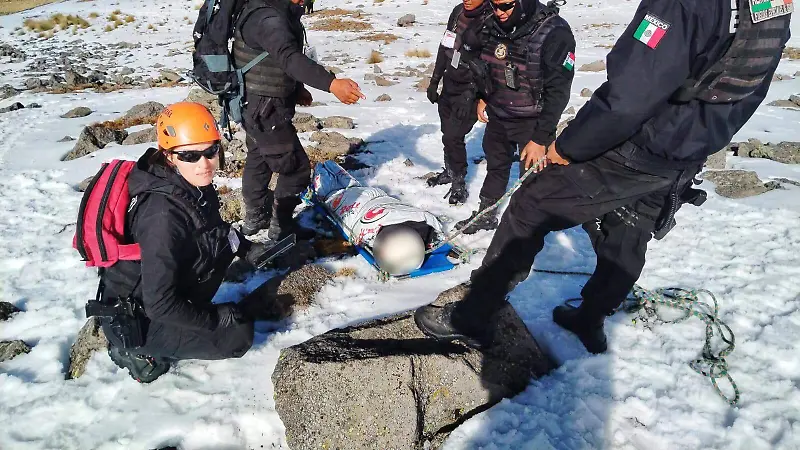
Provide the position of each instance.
(457, 79)
(634, 106)
(268, 29)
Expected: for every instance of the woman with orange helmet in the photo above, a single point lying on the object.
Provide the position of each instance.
(186, 248)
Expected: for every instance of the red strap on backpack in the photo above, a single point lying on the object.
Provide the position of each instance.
(100, 230)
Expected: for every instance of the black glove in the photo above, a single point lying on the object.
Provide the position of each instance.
(433, 91)
(229, 315)
(255, 253)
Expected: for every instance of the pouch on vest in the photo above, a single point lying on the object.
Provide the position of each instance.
(752, 55)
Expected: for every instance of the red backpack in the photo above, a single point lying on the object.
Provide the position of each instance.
(100, 230)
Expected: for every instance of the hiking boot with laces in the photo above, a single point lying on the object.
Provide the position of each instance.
(443, 177)
(438, 322)
(487, 221)
(588, 329)
(142, 368)
(283, 223)
(458, 193)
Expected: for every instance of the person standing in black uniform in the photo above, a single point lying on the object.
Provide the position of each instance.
(626, 162)
(458, 100)
(527, 52)
(273, 88)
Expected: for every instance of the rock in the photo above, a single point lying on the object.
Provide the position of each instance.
(126, 71)
(231, 205)
(8, 91)
(15, 54)
(128, 45)
(370, 77)
(11, 349)
(338, 122)
(408, 163)
(204, 98)
(90, 339)
(158, 65)
(305, 122)
(334, 70)
(570, 110)
(66, 139)
(423, 84)
(376, 69)
(83, 185)
(717, 161)
(141, 137)
(406, 20)
(737, 183)
(562, 125)
(383, 82)
(783, 152)
(33, 83)
(171, 76)
(74, 79)
(143, 111)
(596, 66)
(383, 384)
(14, 106)
(383, 98)
(783, 104)
(6, 310)
(586, 92)
(80, 111)
(93, 138)
(334, 143)
(795, 99)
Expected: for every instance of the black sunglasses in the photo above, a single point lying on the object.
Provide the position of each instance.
(503, 6)
(192, 156)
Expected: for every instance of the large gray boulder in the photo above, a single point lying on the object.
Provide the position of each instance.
(406, 20)
(718, 160)
(11, 349)
(144, 111)
(80, 111)
(783, 152)
(336, 143)
(141, 137)
(738, 183)
(8, 91)
(93, 138)
(198, 95)
(305, 122)
(383, 384)
(338, 122)
(90, 339)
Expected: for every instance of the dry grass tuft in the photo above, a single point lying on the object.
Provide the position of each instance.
(348, 272)
(330, 247)
(129, 19)
(791, 53)
(339, 12)
(123, 123)
(418, 53)
(375, 57)
(338, 24)
(387, 38)
(15, 6)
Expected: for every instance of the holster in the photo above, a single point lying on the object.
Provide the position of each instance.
(125, 317)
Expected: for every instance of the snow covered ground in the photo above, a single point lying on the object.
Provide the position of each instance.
(640, 395)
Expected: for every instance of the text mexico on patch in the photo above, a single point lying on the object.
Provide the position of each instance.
(651, 30)
(761, 10)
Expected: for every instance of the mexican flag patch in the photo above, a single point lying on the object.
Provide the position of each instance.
(569, 61)
(651, 30)
(761, 10)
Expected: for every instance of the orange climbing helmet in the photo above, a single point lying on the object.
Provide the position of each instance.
(185, 123)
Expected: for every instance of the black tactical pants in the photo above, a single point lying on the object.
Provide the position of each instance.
(564, 196)
(272, 147)
(500, 143)
(457, 113)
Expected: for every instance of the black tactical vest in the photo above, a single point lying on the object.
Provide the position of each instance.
(525, 54)
(266, 78)
(754, 52)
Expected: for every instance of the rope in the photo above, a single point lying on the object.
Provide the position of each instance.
(459, 231)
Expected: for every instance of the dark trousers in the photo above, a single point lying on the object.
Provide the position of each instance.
(500, 142)
(457, 113)
(564, 196)
(272, 147)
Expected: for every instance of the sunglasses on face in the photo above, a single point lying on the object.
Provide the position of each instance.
(192, 156)
(503, 6)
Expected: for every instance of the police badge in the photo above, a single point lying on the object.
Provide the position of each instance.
(501, 51)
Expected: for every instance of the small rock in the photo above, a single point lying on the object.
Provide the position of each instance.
(406, 20)
(126, 71)
(717, 161)
(231, 205)
(338, 122)
(80, 111)
(144, 111)
(74, 79)
(562, 125)
(334, 70)
(383, 82)
(305, 122)
(376, 68)
(383, 98)
(171, 76)
(141, 137)
(158, 65)
(423, 84)
(408, 163)
(93, 138)
(175, 52)
(66, 139)
(14, 106)
(34, 106)
(90, 339)
(783, 104)
(11, 349)
(596, 66)
(370, 77)
(33, 83)
(795, 99)
(83, 185)
(128, 45)
(586, 92)
(736, 183)
(8, 91)
(6, 310)
(570, 110)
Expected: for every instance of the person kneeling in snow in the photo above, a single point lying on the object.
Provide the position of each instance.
(186, 248)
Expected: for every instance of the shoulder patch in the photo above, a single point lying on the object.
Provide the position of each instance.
(569, 61)
(651, 30)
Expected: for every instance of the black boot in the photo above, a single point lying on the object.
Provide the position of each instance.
(586, 325)
(458, 191)
(442, 323)
(144, 369)
(256, 218)
(487, 221)
(443, 177)
(283, 224)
